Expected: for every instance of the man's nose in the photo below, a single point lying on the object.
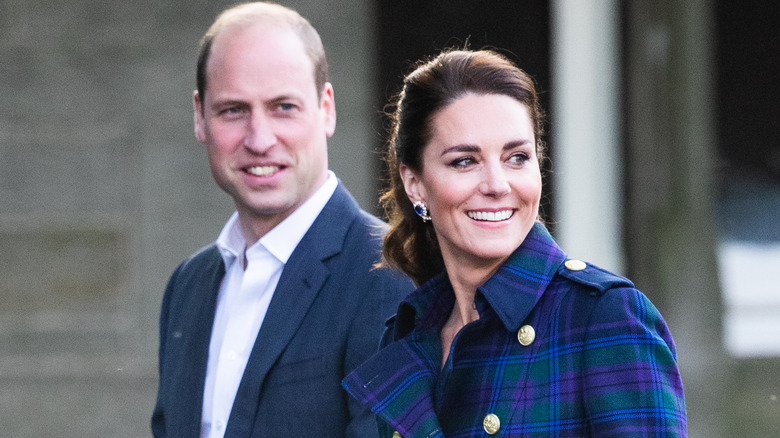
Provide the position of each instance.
(260, 134)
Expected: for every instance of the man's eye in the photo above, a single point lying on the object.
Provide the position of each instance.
(231, 110)
(286, 106)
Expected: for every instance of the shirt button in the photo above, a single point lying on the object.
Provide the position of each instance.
(491, 424)
(575, 265)
(232, 356)
(219, 424)
(526, 335)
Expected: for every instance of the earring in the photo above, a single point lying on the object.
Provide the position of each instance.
(422, 211)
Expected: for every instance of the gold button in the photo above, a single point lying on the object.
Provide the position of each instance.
(526, 335)
(575, 265)
(491, 424)
(397, 435)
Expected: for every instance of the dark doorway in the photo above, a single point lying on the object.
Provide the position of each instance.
(411, 30)
(748, 119)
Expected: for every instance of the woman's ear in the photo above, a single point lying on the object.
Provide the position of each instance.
(412, 183)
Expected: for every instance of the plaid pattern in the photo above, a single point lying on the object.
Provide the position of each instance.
(603, 362)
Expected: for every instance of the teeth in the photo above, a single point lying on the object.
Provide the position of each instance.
(490, 216)
(262, 170)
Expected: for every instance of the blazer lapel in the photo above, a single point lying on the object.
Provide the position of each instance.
(304, 275)
(203, 288)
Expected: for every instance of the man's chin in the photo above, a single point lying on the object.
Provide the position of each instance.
(265, 210)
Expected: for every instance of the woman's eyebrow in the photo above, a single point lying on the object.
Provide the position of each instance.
(461, 148)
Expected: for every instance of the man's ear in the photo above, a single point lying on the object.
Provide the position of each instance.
(328, 106)
(197, 117)
(414, 187)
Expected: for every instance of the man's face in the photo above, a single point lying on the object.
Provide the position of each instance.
(263, 124)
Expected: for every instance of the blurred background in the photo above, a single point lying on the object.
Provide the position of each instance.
(664, 147)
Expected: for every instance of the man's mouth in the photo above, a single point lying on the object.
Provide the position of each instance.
(262, 170)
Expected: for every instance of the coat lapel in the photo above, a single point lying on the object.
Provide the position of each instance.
(398, 385)
(302, 278)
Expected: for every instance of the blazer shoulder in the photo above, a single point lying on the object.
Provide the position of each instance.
(369, 227)
(594, 279)
(207, 254)
(340, 224)
(363, 228)
(206, 260)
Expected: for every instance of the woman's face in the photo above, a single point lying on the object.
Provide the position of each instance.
(480, 178)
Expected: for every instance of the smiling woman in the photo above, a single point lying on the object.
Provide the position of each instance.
(481, 181)
(505, 333)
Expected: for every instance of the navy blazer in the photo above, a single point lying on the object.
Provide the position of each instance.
(325, 318)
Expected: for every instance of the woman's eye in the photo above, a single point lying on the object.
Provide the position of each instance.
(462, 162)
(519, 158)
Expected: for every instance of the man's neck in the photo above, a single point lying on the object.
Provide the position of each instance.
(254, 226)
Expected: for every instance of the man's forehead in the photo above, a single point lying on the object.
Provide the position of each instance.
(259, 38)
(259, 59)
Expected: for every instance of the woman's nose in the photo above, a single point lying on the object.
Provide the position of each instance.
(495, 182)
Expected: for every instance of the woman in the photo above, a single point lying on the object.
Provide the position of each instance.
(506, 336)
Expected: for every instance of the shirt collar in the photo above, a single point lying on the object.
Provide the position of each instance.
(281, 240)
(511, 292)
(231, 242)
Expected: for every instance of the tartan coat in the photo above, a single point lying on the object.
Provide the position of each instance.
(598, 359)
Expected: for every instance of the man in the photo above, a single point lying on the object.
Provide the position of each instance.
(258, 330)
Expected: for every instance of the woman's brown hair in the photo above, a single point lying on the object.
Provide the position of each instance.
(411, 244)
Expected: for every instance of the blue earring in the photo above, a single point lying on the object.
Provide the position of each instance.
(422, 211)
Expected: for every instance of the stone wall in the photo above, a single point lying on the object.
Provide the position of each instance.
(103, 190)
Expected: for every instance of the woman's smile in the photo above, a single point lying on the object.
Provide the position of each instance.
(480, 178)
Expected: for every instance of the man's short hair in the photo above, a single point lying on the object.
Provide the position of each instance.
(271, 15)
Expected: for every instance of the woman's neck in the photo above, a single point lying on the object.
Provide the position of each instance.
(464, 280)
(465, 277)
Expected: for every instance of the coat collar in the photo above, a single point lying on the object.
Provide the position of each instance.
(511, 292)
(519, 283)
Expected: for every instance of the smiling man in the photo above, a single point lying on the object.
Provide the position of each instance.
(258, 329)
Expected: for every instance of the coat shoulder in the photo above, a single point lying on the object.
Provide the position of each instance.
(595, 280)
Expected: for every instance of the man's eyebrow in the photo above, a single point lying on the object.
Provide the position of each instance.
(226, 102)
(282, 98)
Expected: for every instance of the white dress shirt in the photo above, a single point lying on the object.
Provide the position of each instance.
(244, 296)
